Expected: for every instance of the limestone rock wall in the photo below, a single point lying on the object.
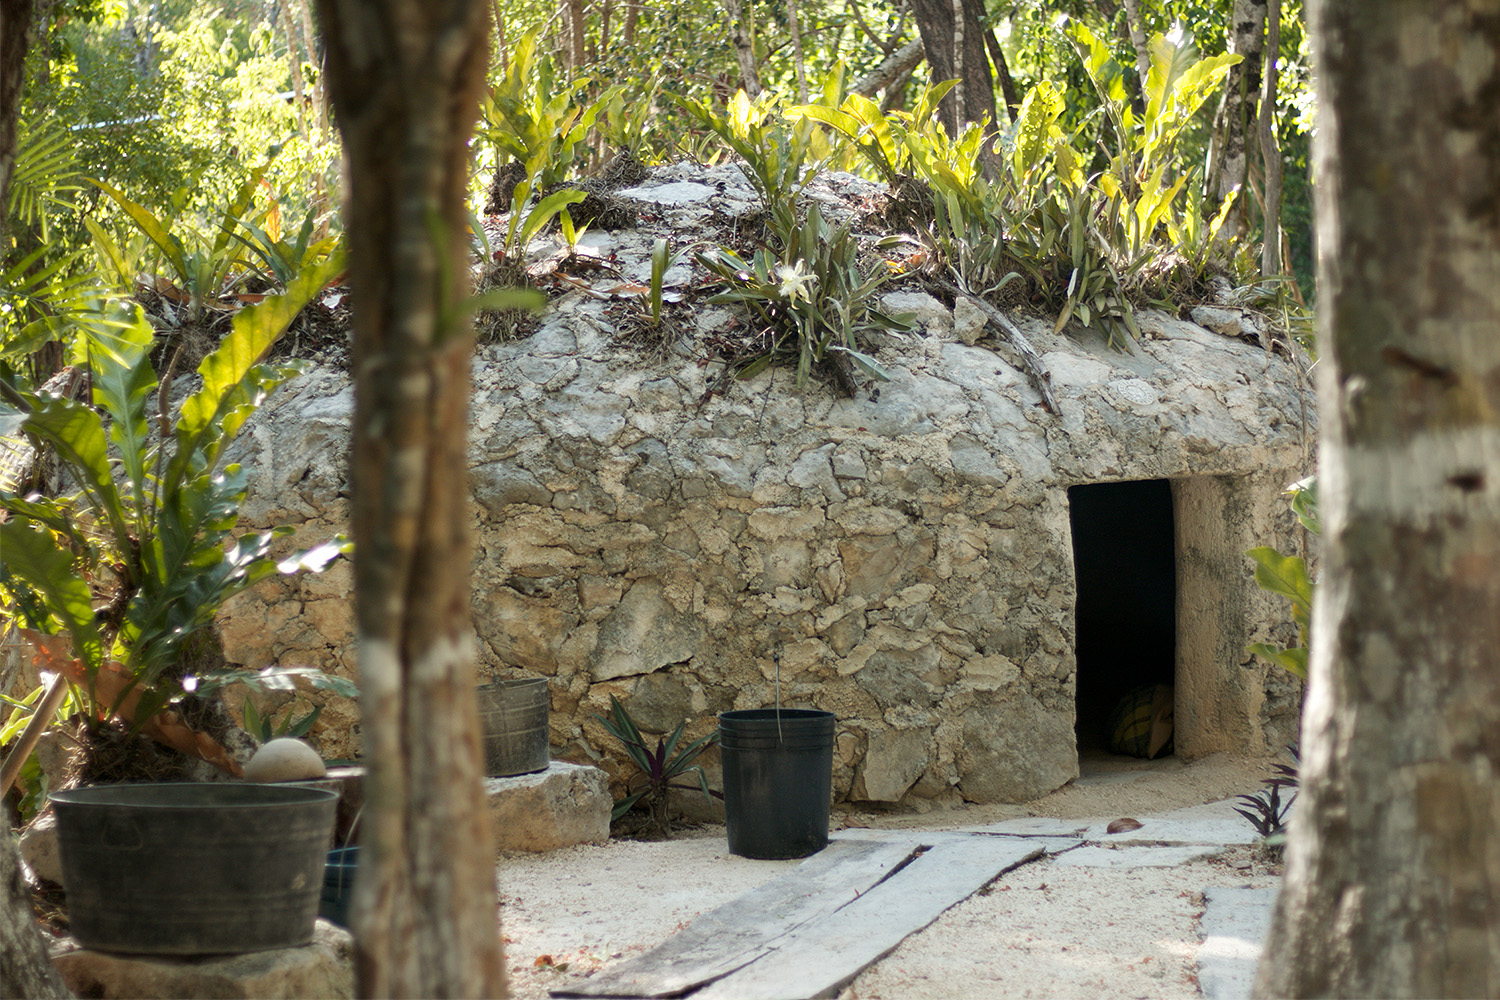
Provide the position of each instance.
(903, 558)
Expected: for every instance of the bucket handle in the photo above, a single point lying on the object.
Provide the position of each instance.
(776, 656)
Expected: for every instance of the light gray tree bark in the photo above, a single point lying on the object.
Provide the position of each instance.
(1229, 148)
(1392, 885)
(742, 35)
(405, 79)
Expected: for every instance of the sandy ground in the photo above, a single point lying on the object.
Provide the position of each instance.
(1042, 930)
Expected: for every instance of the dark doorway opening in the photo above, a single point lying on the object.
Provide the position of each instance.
(1125, 561)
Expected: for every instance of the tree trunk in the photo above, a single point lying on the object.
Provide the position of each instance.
(1270, 149)
(15, 38)
(743, 37)
(25, 969)
(1392, 886)
(405, 78)
(955, 50)
(1228, 156)
(1002, 73)
(1137, 29)
(942, 34)
(795, 29)
(577, 23)
(890, 69)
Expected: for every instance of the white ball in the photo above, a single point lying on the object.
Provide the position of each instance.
(285, 759)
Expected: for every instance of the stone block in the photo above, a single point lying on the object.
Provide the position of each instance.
(564, 805)
(320, 969)
(38, 846)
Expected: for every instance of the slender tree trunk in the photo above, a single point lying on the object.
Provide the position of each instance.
(1228, 156)
(796, 32)
(16, 19)
(743, 37)
(405, 78)
(1137, 28)
(1002, 73)
(1270, 148)
(314, 56)
(632, 17)
(943, 36)
(577, 23)
(1392, 886)
(294, 70)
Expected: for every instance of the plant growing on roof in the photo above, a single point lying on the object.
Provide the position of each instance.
(780, 156)
(134, 565)
(205, 269)
(811, 304)
(659, 767)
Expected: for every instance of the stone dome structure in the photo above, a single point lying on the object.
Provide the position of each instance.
(967, 580)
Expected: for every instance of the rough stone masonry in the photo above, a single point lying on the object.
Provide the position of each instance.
(902, 558)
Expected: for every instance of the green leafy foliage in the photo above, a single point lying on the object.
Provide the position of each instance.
(261, 727)
(208, 268)
(780, 157)
(659, 766)
(138, 561)
(1288, 577)
(1266, 810)
(810, 303)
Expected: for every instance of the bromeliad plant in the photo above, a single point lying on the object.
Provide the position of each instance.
(781, 158)
(133, 566)
(811, 305)
(659, 767)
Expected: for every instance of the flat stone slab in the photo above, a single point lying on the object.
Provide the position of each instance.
(1214, 823)
(1235, 921)
(321, 969)
(564, 805)
(1091, 856)
(1033, 826)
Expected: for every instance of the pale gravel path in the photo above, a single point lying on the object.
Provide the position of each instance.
(1043, 930)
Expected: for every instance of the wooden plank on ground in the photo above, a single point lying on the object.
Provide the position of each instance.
(724, 939)
(818, 959)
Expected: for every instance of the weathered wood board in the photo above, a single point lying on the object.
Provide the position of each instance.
(818, 958)
(724, 939)
(808, 932)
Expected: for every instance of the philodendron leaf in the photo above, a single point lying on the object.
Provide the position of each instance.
(76, 432)
(1293, 660)
(1284, 575)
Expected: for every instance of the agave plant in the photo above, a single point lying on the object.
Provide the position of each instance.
(659, 766)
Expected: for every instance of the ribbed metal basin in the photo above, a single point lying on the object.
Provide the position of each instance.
(513, 721)
(193, 869)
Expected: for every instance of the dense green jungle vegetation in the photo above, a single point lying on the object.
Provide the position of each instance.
(185, 152)
(174, 206)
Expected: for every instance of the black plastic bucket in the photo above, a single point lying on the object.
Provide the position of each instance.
(193, 869)
(513, 722)
(778, 780)
(338, 884)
